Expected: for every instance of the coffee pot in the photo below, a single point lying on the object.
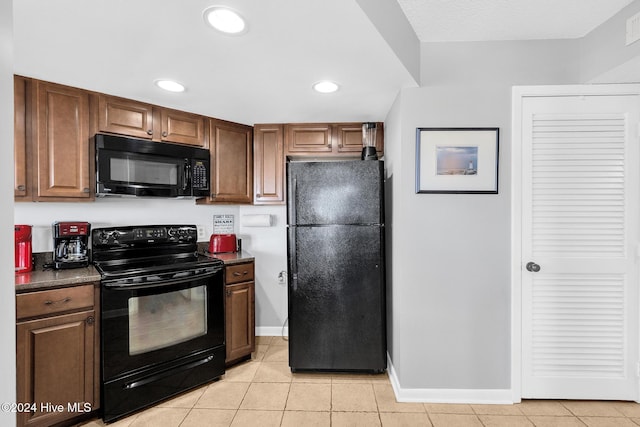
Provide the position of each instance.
(71, 244)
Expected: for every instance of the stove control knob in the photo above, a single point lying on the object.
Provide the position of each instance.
(174, 234)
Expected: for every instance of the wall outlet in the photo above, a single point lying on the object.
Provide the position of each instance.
(282, 277)
(202, 233)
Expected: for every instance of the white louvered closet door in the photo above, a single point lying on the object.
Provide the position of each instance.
(580, 215)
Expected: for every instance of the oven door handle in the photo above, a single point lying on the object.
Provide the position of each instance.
(120, 284)
(164, 374)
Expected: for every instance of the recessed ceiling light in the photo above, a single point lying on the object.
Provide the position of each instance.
(325, 86)
(170, 85)
(225, 20)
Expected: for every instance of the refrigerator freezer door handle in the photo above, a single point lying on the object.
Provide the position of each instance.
(294, 281)
(294, 195)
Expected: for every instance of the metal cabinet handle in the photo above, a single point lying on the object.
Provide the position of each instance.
(85, 190)
(228, 293)
(21, 187)
(533, 267)
(63, 300)
(165, 133)
(149, 132)
(90, 320)
(244, 273)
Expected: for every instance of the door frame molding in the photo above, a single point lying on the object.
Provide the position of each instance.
(518, 94)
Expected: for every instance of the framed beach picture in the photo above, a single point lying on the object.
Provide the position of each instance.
(457, 160)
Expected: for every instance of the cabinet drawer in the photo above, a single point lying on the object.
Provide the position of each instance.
(239, 273)
(52, 301)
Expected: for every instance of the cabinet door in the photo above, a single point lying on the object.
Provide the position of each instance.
(240, 320)
(55, 367)
(308, 138)
(182, 127)
(62, 142)
(231, 162)
(349, 138)
(21, 188)
(268, 170)
(124, 116)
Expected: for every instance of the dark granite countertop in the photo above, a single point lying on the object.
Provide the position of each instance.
(231, 257)
(46, 278)
(41, 279)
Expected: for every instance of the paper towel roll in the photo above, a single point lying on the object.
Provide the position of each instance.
(256, 220)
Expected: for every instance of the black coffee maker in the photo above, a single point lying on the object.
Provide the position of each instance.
(71, 244)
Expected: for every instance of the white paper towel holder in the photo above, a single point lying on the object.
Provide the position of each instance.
(256, 220)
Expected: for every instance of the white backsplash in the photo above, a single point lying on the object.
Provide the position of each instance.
(114, 211)
(266, 243)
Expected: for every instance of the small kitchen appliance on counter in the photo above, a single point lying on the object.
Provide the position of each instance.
(24, 262)
(220, 243)
(70, 244)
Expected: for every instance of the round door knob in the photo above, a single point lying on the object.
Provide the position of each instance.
(533, 267)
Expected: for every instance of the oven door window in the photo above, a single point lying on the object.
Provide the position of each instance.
(144, 170)
(164, 320)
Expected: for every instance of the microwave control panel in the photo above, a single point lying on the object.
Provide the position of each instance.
(200, 178)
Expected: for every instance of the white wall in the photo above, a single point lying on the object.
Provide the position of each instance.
(266, 244)
(269, 246)
(604, 55)
(7, 290)
(450, 285)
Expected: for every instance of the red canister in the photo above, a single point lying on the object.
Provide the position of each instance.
(24, 262)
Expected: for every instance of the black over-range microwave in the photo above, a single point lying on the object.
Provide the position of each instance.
(137, 167)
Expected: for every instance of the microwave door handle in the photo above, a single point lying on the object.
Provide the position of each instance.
(187, 175)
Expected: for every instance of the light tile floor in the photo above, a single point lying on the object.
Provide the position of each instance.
(263, 392)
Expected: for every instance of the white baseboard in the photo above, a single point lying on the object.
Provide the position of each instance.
(428, 395)
(272, 331)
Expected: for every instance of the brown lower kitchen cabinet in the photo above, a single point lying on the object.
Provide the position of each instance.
(57, 343)
(240, 325)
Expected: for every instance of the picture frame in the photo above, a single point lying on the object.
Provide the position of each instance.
(457, 160)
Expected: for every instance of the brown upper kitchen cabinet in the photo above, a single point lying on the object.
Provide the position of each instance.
(124, 116)
(348, 138)
(140, 120)
(231, 162)
(268, 166)
(308, 138)
(21, 179)
(328, 139)
(60, 123)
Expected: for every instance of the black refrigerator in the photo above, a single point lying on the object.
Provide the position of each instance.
(336, 262)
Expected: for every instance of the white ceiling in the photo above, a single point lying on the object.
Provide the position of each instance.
(473, 20)
(264, 76)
